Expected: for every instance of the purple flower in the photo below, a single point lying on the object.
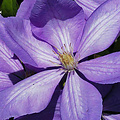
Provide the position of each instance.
(61, 41)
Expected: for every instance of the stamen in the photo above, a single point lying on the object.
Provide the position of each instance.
(54, 52)
(62, 49)
(79, 57)
(55, 63)
(71, 48)
(65, 48)
(57, 50)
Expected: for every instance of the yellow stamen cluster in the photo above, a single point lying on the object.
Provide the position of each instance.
(67, 60)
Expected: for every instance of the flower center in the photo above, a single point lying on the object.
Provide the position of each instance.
(67, 60)
(66, 57)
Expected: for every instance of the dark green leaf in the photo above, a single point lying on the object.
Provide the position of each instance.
(117, 45)
(9, 8)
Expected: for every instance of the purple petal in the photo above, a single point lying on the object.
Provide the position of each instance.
(112, 101)
(80, 100)
(5, 81)
(45, 10)
(30, 95)
(104, 70)
(17, 35)
(101, 29)
(25, 9)
(7, 62)
(52, 111)
(112, 117)
(89, 5)
(62, 22)
(60, 33)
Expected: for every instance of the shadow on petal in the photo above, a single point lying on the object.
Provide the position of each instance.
(17, 76)
(104, 89)
(45, 10)
(49, 112)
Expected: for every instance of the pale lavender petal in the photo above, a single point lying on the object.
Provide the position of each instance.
(62, 22)
(31, 95)
(112, 101)
(104, 70)
(60, 33)
(25, 8)
(17, 35)
(89, 5)
(7, 62)
(5, 81)
(101, 29)
(52, 111)
(112, 117)
(80, 100)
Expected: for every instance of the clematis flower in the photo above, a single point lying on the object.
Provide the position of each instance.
(58, 39)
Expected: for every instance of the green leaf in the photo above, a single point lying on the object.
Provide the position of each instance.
(105, 52)
(9, 8)
(117, 45)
